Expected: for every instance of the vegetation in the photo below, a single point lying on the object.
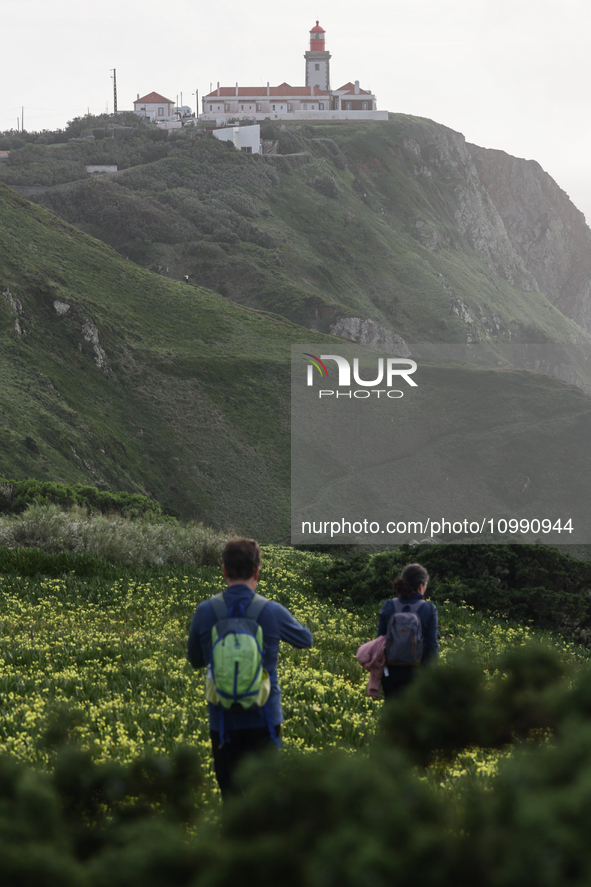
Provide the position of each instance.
(17, 496)
(344, 221)
(114, 378)
(105, 767)
(55, 158)
(121, 379)
(116, 539)
(533, 584)
(128, 380)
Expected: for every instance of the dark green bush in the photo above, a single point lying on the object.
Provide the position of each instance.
(448, 707)
(328, 186)
(334, 820)
(35, 562)
(86, 824)
(17, 495)
(531, 583)
(327, 820)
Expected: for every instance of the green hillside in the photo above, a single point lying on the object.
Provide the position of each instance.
(126, 378)
(379, 221)
(114, 376)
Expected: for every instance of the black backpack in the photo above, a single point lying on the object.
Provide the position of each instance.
(404, 635)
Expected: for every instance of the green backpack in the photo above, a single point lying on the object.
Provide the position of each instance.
(235, 676)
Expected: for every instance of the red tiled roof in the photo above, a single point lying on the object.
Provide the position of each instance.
(153, 98)
(350, 88)
(284, 89)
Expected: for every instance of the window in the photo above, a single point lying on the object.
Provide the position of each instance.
(273, 107)
(211, 107)
(316, 67)
(247, 150)
(227, 106)
(259, 107)
(321, 106)
(305, 107)
(347, 106)
(242, 107)
(289, 107)
(364, 106)
(161, 112)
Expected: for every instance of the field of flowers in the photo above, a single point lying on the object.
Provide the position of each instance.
(115, 651)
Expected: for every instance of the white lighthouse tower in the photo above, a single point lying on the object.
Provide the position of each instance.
(318, 60)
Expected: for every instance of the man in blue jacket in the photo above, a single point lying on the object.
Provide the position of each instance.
(244, 730)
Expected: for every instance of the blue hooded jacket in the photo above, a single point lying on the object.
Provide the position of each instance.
(278, 625)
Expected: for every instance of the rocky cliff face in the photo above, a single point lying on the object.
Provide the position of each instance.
(523, 225)
(476, 216)
(546, 230)
(520, 223)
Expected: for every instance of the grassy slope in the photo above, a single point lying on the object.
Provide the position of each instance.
(194, 408)
(387, 248)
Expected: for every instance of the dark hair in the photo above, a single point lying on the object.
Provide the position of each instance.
(241, 557)
(407, 583)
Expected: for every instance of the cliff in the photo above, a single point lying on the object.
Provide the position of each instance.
(546, 230)
(384, 233)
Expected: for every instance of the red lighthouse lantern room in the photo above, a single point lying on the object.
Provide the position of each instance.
(317, 37)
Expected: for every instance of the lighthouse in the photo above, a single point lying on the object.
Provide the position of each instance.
(318, 60)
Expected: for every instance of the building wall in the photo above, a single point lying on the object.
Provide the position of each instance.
(350, 104)
(264, 105)
(299, 116)
(153, 110)
(244, 138)
(98, 170)
(318, 69)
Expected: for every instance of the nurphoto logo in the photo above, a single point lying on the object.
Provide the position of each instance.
(395, 369)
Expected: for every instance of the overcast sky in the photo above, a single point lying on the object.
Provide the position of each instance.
(509, 74)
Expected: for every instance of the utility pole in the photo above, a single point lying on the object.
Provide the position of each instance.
(114, 70)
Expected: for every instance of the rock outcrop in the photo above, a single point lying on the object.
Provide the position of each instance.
(545, 229)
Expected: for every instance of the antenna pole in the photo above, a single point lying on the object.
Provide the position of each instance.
(114, 70)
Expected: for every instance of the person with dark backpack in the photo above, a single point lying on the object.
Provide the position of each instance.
(409, 624)
(235, 635)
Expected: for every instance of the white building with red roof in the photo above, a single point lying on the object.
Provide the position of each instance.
(153, 106)
(315, 101)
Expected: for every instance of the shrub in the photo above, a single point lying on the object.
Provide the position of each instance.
(531, 583)
(16, 496)
(86, 824)
(328, 186)
(449, 707)
(240, 203)
(114, 538)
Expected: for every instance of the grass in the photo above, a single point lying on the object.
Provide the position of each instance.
(192, 404)
(398, 220)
